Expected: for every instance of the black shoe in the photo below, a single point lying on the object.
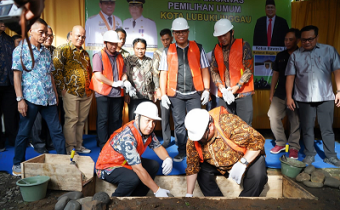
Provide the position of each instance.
(41, 151)
(179, 157)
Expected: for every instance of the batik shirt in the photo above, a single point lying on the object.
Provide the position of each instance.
(217, 153)
(6, 50)
(247, 63)
(36, 84)
(73, 70)
(126, 144)
(142, 76)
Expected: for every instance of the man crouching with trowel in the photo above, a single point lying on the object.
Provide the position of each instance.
(120, 160)
(222, 144)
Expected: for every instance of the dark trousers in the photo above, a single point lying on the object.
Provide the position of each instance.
(109, 117)
(166, 130)
(325, 113)
(180, 105)
(40, 135)
(128, 182)
(50, 115)
(9, 108)
(212, 103)
(242, 107)
(61, 111)
(133, 105)
(254, 179)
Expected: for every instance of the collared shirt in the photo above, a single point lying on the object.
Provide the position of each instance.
(6, 50)
(36, 85)
(247, 63)
(51, 49)
(217, 152)
(142, 76)
(313, 72)
(126, 144)
(273, 22)
(98, 67)
(124, 53)
(73, 70)
(157, 59)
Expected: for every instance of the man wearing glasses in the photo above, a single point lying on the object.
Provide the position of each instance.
(311, 67)
(98, 24)
(184, 80)
(138, 26)
(215, 147)
(270, 30)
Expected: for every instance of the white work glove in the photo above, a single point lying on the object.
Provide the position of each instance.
(205, 97)
(189, 195)
(162, 192)
(165, 101)
(118, 83)
(129, 89)
(237, 172)
(132, 91)
(167, 166)
(228, 96)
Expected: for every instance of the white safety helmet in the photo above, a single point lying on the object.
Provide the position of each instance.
(179, 24)
(111, 36)
(196, 122)
(222, 26)
(148, 109)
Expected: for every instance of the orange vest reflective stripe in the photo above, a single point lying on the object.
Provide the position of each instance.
(108, 157)
(101, 87)
(215, 114)
(236, 67)
(194, 60)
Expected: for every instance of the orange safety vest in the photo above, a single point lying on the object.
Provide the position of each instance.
(236, 67)
(101, 87)
(215, 114)
(108, 157)
(194, 58)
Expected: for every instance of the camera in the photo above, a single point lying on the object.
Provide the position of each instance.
(9, 12)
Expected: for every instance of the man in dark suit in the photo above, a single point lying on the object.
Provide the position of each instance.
(270, 30)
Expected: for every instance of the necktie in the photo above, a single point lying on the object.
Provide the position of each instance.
(133, 23)
(110, 20)
(269, 32)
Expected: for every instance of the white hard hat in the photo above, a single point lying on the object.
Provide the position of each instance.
(111, 36)
(179, 24)
(222, 26)
(196, 122)
(148, 109)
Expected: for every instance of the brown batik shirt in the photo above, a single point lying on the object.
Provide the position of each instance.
(217, 153)
(247, 63)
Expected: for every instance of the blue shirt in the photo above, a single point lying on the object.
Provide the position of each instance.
(6, 50)
(36, 85)
(313, 72)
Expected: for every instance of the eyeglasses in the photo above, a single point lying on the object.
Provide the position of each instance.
(49, 36)
(307, 40)
(181, 32)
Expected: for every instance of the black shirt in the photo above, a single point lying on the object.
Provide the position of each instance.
(279, 65)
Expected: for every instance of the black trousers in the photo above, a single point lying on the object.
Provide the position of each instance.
(325, 113)
(109, 117)
(40, 135)
(166, 130)
(128, 182)
(254, 179)
(180, 105)
(133, 105)
(242, 107)
(9, 108)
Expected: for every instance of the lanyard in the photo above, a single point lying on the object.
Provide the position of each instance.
(105, 21)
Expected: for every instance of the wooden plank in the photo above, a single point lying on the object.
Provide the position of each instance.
(290, 189)
(67, 177)
(38, 159)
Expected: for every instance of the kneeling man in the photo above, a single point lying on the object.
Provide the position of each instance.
(120, 160)
(222, 144)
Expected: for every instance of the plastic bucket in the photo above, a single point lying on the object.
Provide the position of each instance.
(291, 167)
(33, 188)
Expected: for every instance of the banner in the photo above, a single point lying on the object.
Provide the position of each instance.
(154, 15)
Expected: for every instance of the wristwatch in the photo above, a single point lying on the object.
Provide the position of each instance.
(239, 86)
(244, 161)
(19, 98)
